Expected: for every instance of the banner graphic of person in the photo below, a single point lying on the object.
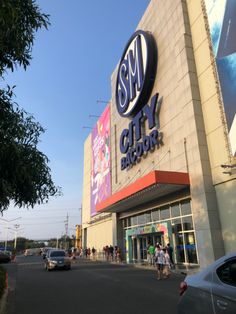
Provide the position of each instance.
(222, 24)
(100, 173)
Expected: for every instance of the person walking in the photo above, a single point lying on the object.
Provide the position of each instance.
(118, 255)
(151, 254)
(93, 253)
(169, 249)
(160, 261)
(111, 252)
(166, 267)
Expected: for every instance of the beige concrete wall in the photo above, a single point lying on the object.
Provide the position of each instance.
(193, 134)
(214, 121)
(211, 101)
(181, 121)
(100, 235)
(227, 204)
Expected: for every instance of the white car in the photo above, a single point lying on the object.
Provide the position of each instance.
(211, 291)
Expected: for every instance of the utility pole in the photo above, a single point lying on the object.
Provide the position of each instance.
(66, 229)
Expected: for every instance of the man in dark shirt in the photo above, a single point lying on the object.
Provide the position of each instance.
(170, 252)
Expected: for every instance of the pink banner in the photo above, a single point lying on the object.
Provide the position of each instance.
(100, 173)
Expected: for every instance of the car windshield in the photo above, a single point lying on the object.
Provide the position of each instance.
(57, 253)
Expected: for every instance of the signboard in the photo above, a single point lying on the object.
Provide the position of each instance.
(222, 24)
(100, 172)
(135, 79)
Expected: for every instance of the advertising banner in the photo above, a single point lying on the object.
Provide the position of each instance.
(222, 24)
(100, 173)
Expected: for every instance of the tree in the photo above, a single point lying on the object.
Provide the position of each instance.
(19, 21)
(25, 176)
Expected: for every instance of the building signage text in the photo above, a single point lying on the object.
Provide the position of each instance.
(135, 79)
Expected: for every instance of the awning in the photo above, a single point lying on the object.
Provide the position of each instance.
(152, 186)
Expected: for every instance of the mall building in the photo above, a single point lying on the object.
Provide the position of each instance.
(160, 165)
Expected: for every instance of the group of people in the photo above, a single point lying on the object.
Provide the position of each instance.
(162, 257)
(112, 253)
(87, 253)
(109, 253)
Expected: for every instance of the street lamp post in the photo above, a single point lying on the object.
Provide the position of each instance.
(7, 224)
(16, 230)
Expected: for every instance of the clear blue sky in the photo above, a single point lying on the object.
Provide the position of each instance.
(71, 69)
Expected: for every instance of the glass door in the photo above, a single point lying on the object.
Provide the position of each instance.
(179, 242)
(190, 248)
(143, 243)
(134, 249)
(157, 238)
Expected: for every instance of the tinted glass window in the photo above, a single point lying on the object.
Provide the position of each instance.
(175, 210)
(148, 217)
(176, 225)
(186, 208)
(155, 215)
(227, 273)
(124, 223)
(57, 253)
(128, 221)
(141, 219)
(165, 213)
(134, 221)
(187, 223)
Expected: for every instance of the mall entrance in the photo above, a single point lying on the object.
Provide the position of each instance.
(140, 244)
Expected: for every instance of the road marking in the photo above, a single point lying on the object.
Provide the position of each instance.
(30, 264)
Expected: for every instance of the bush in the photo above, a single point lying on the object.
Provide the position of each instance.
(2, 280)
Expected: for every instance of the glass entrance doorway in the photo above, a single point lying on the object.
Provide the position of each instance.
(140, 244)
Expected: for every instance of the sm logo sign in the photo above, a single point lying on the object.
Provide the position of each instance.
(136, 73)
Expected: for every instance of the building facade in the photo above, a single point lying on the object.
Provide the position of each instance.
(164, 169)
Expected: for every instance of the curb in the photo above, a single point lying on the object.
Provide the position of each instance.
(3, 300)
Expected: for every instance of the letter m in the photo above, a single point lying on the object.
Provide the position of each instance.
(135, 68)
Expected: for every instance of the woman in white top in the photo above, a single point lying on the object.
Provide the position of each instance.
(166, 269)
(160, 261)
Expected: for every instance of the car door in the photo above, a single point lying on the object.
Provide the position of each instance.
(224, 288)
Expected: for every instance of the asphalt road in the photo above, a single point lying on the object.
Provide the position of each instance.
(89, 288)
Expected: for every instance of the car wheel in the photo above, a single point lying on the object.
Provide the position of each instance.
(69, 267)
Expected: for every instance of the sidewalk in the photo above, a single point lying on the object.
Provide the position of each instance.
(179, 269)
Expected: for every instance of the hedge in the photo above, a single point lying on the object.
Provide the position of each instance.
(2, 280)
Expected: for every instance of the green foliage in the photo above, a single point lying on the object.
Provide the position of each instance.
(19, 21)
(24, 174)
(2, 280)
(23, 244)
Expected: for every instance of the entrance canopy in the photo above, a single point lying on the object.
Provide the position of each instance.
(152, 186)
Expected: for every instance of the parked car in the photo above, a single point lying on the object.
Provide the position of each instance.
(57, 259)
(213, 290)
(4, 257)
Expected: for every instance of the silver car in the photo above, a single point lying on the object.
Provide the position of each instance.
(57, 259)
(212, 290)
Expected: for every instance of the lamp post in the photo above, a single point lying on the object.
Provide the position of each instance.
(16, 230)
(7, 224)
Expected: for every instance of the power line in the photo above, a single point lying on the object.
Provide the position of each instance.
(45, 209)
(49, 217)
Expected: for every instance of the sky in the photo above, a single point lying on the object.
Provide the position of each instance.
(70, 72)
